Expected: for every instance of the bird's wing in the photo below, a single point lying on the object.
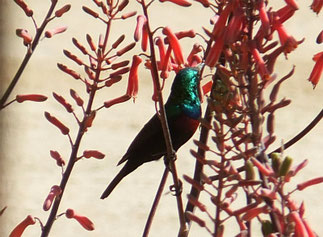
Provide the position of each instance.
(149, 143)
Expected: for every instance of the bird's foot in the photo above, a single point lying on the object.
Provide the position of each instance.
(176, 191)
(168, 160)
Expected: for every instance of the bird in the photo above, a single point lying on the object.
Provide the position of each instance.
(183, 110)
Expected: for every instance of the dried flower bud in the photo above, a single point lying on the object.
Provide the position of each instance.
(73, 57)
(193, 182)
(90, 12)
(68, 71)
(126, 49)
(83, 220)
(183, 3)
(25, 36)
(90, 42)
(63, 10)
(54, 192)
(58, 30)
(189, 215)
(250, 173)
(76, 97)
(118, 41)
(20, 228)
(128, 15)
(30, 97)
(118, 100)
(93, 153)
(64, 130)
(63, 102)
(79, 46)
(122, 5)
(24, 7)
(196, 203)
(59, 160)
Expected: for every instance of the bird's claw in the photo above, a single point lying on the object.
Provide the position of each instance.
(176, 191)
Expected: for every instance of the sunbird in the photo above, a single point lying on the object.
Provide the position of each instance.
(183, 110)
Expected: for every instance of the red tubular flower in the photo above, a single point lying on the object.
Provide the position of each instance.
(59, 160)
(308, 228)
(182, 3)
(262, 168)
(20, 228)
(83, 220)
(285, 39)
(118, 100)
(195, 50)
(93, 153)
(309, 183)
(285, 13)
(132, 89)
(161, 47)
(235, 26)
(58, 30)
(220, 23)
(215, 52)
(207, 87)
(141, 21)
(261, 66)
(265, 24)
(317, 6)
(300, 229)
(174, 43)
(292, 3)
(64, 130)
(63, 10)
(144, 41)
(250, 214)
(54, 192)
(30, 97)
(317, 69)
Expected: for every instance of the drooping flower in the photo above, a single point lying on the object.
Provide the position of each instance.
(54, 192)
(20, 228)
(317, 69)
(285, 39)
(83, 220)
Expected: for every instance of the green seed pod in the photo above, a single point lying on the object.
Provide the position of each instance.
(285, 166)
(267, 227)
(250, 173)
(275, 162)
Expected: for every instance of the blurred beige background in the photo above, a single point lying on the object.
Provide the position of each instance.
(28, 172)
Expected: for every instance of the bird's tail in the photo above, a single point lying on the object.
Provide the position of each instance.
(122, 173)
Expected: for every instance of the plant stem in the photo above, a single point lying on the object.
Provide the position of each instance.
(170, 151)
(156, 202)
(28, 55)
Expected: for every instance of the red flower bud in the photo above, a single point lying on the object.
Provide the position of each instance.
(144, 41)
(128, 15)
(63, 102)
(68, 71)
(24, 7)
(93, 153)
(196, 203)
(83, 220)
(250, 214)
(65, 130)
(25, 36)
(54, 192)
(309, 183)
(20, 228)
(90, 12)
(118, 41)
(58, 30)
(194, 183)
(189, 215)
(118, 100)
(120, 72)
(73, 57)
(122, 5)
(31, 97)
(183, 3)
(126, 49)
(59, 160)
(63, 10)
(79, 46)
(76, 97)
(90, 42)
(174, 43)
